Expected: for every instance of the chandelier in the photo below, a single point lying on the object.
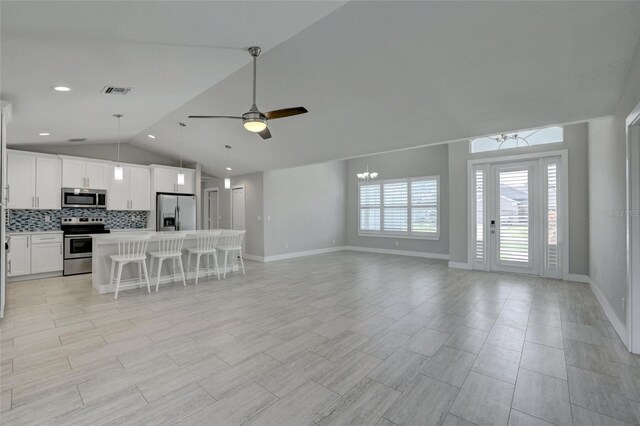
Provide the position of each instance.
(367, 176)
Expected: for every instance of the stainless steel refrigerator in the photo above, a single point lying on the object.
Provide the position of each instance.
(175, 212)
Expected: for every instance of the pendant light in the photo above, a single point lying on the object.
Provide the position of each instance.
(118, 171)
(181, 174)
(227, 181)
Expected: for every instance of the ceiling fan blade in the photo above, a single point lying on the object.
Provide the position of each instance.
(287, 112)
(265, 134)
(214, 116)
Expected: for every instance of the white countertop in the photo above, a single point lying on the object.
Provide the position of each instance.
(155, 235)
(33, 232)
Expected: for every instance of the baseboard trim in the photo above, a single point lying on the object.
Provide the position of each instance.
(399, 252)
(579, 278)
(253, 257)
(459, 265)
(29, 277)
(302, 254)
(618, 326)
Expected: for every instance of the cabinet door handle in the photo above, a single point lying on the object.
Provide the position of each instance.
(8, 193)
(28, 242)
(38, 202)
(33, 201)
(9, 265)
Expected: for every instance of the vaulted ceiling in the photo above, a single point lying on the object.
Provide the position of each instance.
(375, 76)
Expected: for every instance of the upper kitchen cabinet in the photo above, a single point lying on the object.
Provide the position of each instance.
(33, 181)
(165, 179)
(80, 173)
(133, 192)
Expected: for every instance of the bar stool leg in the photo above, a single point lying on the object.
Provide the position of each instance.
(146, 275)
(215, 260)
(197, 266)
(226, 256)
(241, 261)
(120, 265)
(159, 273)
(184, 281)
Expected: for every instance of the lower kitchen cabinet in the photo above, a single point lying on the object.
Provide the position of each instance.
(19, 255)
(34, 254)
(46, 257)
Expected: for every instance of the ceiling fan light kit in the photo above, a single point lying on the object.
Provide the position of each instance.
(254, 120)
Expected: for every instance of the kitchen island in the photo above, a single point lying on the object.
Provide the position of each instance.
(105, 245)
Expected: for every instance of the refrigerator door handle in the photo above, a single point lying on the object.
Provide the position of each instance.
(177, 218)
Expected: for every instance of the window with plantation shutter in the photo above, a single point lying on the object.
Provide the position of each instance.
(400, 208)
(370, 207)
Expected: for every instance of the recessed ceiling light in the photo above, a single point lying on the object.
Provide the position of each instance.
(61, 88)
(151, 136)
(44, 134)
(229, 168)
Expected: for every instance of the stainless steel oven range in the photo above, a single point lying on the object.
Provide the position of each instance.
(78, 242)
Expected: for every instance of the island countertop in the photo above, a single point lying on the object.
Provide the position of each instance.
(100, 239)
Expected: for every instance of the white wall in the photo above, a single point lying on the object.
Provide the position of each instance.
(304, 208)
(428, 161)
(576, 143)
(607, 195)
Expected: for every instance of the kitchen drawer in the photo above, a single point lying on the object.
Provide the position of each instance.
(46, 238)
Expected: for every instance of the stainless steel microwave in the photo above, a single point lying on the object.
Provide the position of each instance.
(84, 198)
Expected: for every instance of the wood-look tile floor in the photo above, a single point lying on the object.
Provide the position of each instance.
(344, 338)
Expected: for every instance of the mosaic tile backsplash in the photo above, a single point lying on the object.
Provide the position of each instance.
(36, 220)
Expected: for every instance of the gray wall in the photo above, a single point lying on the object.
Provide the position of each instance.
(104, 151)
(607, 193)
(418, 162)
(576, 143)
(253, 198)
(304, 208)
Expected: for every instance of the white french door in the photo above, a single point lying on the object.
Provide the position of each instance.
(516, 217)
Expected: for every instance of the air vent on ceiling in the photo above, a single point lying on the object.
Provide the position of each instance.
(77, 139)
(116, 90)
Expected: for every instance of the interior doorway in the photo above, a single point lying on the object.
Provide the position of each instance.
(517, 215)
(237, 208)
(211, 208)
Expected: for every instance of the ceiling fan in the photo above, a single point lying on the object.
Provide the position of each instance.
(254, 120)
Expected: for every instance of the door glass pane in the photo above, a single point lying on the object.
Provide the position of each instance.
(514, 216)
(479, 213)
(552, 217)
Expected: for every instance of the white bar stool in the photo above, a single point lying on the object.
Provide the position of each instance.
(206, 242)
(169, 247)
(232, 243)
(131, 249)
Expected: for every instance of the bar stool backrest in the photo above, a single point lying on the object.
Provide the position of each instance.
(170, 243)
(207, 240)
(232, 239)
(133, 247)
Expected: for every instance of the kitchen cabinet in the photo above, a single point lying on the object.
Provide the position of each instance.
(33, 181)
(21, 180)
(80, 173)
(165, 179)
(35, 253)
(48, 183)
(46, 254)
(19, 255)
(131, 193)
